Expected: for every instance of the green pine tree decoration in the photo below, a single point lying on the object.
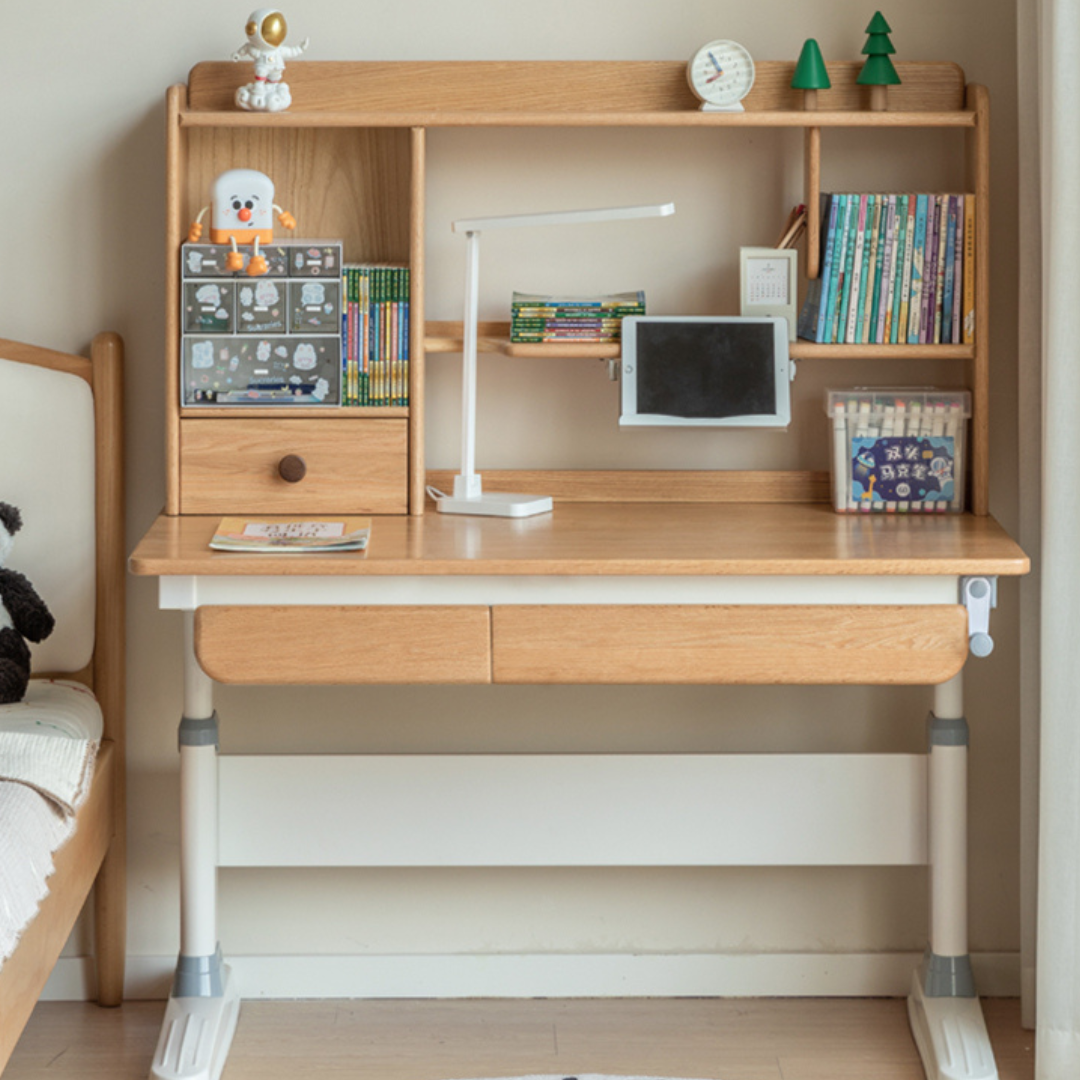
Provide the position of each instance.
(810, 73)
(878, 71)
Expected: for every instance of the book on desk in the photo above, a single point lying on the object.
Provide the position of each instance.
(299, 534)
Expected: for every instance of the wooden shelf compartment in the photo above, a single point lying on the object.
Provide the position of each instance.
(363, 186)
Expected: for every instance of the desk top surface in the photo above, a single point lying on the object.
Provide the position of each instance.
(619, 539)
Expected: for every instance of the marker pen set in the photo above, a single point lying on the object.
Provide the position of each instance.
(898, 451)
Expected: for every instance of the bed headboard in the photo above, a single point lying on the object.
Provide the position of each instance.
(61, 464)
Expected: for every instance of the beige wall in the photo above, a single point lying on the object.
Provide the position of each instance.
(81, 129)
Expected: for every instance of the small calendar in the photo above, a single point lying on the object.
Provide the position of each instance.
(768, 277)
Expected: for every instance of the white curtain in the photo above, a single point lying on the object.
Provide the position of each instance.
(1049, 70)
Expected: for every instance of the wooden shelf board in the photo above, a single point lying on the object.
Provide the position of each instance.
(655, 485)
(446, 337)
(809, 350)
(683, 118)
(338, 412)
(587, 350)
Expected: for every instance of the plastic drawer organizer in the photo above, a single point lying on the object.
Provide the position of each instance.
(898, 450)
(268, 340)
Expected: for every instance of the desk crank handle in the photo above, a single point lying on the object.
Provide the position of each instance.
(979, 595)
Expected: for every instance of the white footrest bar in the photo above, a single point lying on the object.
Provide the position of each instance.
(951, 1035)
(196, 1035)
(526, 810)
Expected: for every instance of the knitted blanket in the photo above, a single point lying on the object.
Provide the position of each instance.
(47, 759)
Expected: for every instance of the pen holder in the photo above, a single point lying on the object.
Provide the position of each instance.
(898, 451)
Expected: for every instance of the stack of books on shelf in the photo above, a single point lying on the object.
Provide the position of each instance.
(569, 318)
(375, 336)
(894, 269)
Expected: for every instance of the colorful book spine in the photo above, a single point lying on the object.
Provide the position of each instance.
(844, 218)
(958, 273)
(872, 268)
(909, 266)
(934, 334)
(969, 270)
(917, 264)
(946, 321)
(826, 271)
(888, 273)
(853, 285)
(929, 274)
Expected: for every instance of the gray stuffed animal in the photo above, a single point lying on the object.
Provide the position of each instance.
(23, 614)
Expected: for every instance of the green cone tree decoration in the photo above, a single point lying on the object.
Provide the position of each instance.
(810, 72)
(878, 69)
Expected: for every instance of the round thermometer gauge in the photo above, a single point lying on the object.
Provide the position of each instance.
(721, 74)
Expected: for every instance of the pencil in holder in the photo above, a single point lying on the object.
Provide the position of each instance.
(898, 451)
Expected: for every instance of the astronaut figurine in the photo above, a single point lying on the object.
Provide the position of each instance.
(242, 212)
(266, 32)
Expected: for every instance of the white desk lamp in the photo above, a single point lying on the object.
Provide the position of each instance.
(469, 497)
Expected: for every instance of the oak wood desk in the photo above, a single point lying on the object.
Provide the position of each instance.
(593, 593)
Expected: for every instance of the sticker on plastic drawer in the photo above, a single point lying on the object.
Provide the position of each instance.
(293, 370)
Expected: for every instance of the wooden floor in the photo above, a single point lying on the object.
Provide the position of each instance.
(733, 1039)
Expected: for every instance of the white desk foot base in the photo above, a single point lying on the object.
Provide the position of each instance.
(951, 1036)
(196, 1035)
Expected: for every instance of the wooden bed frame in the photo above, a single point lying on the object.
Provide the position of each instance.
(95, 854)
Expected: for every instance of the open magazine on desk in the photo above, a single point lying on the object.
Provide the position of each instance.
(303, 534)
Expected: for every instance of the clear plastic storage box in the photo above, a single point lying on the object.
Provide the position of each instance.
(898, 451)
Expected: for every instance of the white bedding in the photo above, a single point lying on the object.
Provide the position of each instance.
(48, 743)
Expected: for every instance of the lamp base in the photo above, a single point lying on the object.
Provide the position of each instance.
(496, 504)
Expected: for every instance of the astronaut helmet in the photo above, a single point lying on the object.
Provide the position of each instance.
(266, 28)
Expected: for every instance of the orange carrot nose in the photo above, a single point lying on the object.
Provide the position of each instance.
(245, 214)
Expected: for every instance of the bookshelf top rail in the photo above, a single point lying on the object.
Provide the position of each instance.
(565, 93)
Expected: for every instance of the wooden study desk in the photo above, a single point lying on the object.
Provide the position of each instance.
(593, 593)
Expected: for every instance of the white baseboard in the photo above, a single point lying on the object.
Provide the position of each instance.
(550, 975)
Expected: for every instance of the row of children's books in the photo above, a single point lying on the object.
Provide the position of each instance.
(375, 335)
(535, 318)
(894, 269)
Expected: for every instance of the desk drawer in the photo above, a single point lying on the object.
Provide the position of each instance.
(296, 645)
(233, 466)
(916, 645)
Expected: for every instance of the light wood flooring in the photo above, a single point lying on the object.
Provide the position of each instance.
(732, 1039)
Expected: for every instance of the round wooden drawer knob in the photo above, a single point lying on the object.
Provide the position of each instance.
(292, 468)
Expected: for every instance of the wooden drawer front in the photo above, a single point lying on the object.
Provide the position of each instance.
(920, 645)
(231, 466)
(295, 645)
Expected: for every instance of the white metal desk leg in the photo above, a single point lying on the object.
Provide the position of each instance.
(202, 1012)
(946, 1018)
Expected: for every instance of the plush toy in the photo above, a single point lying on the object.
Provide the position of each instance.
(242, 212)
(23, 614)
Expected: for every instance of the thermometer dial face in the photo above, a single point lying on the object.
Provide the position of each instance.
(721, 73)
